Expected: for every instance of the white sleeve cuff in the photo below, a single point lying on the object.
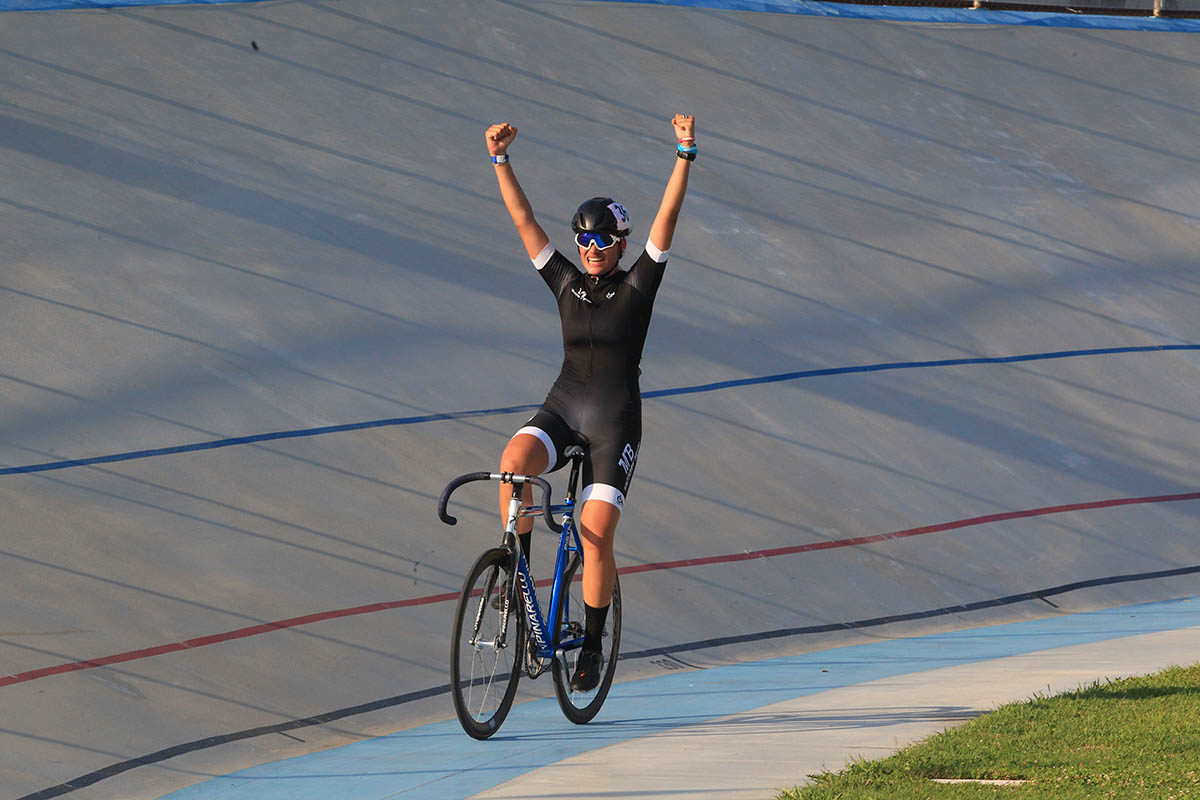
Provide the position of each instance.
(658, 255)
(543, 258)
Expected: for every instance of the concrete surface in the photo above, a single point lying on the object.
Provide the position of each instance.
(757, 754)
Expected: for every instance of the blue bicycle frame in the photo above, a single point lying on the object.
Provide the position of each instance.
(569, 544)
(493, 641)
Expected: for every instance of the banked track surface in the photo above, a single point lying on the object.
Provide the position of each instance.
(212, 243)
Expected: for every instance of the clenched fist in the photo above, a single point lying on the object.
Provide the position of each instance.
(499, 137)
(685, 128)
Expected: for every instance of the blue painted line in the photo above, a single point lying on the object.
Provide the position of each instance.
(439, 762)
(262, 437)
(981, 16)
(452, 415)
(952, 362)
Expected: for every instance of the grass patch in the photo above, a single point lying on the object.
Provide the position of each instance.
(1128, 739)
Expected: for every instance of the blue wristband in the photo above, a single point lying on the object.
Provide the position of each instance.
(500, 159)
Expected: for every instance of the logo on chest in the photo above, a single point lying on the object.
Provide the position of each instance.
(583, 295)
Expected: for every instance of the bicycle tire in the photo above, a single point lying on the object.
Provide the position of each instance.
(483, 677)
(581, 707)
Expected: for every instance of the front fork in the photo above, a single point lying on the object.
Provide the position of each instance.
(512, 544)
(523, 582)
(541, 644)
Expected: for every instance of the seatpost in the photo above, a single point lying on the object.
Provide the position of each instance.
(575, 453)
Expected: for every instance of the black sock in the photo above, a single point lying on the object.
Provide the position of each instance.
(593, 627)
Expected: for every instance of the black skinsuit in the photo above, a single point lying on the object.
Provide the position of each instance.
(596, 399)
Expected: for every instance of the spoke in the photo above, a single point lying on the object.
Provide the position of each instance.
(483, 677)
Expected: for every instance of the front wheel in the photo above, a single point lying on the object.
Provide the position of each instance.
(580, 707)
(485, 654)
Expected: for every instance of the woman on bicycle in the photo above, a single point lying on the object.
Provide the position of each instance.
(595, 401)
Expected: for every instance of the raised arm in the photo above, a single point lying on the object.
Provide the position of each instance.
(499, 137)
(662, 231)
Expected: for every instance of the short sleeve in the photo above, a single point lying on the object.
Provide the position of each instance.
(555, 268)
(647, 272)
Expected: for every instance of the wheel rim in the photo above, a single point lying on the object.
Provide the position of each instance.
(582, 706)
(485, 665)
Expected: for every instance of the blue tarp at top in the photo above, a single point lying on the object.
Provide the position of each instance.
(60, 5)
(897, 13)
(901, 13)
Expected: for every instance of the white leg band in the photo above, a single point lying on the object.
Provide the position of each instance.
(602, 491)
(546, 441)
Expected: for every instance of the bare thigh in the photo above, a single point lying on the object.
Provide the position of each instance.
(524, 455)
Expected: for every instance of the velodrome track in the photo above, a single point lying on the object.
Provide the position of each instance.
(925, 358)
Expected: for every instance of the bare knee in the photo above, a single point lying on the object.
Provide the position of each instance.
(598, 522)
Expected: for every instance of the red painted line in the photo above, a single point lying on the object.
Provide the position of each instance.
(216, 638)
(269, 627)
(883, 537)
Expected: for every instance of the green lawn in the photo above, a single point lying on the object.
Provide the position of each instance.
(1132, 738)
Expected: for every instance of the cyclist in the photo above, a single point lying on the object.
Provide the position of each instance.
(605, 313)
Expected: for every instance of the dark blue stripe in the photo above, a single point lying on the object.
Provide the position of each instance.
(486, 412)
(64, 5)
(807, 7)
(262, 437)
(982, 16)
(953, 362)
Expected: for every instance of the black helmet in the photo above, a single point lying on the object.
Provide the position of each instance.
(601, 215)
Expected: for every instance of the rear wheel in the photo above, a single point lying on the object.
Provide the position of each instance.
(485, 666)
(580, 707)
